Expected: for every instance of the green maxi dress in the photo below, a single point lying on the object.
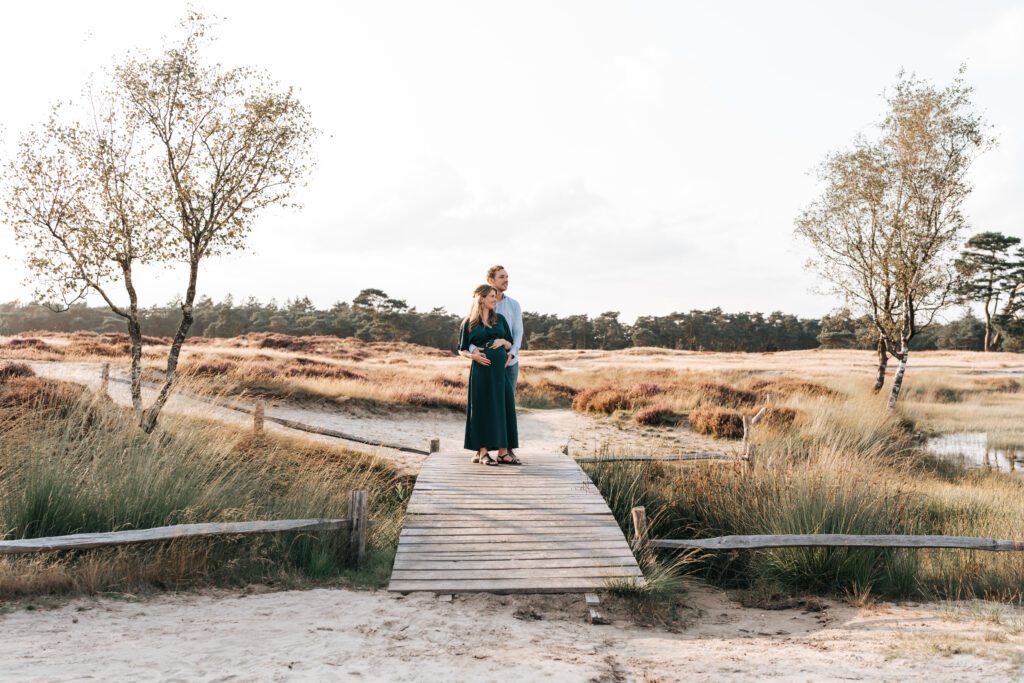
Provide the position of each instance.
(491, 410)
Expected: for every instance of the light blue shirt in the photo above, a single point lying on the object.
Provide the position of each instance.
(513, 313)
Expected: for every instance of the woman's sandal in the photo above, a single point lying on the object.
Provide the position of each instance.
(486, 459)
(512, 459)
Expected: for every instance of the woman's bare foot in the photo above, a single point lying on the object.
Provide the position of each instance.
(479, 454)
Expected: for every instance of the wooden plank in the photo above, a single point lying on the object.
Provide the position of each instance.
(575, 497)
(484, 513)
(843, 540)
(451, 554)
(535, 585)
(526, 573)
(511, 546)
(515, 563)
(511, 528)
(165, 533)
(507, 538)
(429, 508)
(486, 516)
(454, 524)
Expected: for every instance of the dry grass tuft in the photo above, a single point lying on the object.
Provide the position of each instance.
(717, 394)
(721, 423)
(450, 382)
(1002, 385)
(101, 349)
(9, 369)
(785, 387)
(778, 417)
(658, 416)
(19, 343)
(607, 399)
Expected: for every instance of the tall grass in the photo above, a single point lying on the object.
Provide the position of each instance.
(845, 466)
(73, 464)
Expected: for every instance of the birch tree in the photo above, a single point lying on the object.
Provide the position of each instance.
(170, 161)
(887, 225)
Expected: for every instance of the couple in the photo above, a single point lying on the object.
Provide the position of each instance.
(490, 337)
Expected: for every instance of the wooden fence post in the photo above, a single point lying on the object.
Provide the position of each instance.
(257, 419)
(434, 446)
(746, 436)
(105, 379)
(640, 539)
(358, 510)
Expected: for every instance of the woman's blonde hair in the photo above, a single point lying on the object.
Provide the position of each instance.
(477, 309)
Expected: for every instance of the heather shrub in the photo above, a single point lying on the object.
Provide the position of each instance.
(9, 370)
(715, 394)
(721, 423)
(658, 416)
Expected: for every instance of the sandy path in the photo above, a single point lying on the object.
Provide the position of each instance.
(344, 635)
(539, 430)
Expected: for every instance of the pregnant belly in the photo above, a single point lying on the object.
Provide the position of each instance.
(497, 356)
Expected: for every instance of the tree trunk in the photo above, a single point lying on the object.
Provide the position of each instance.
(149, 421)
(989, 344)
(135, 334)
(883, 362)
(897, 380)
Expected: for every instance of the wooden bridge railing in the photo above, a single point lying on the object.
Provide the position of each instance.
(356, 525)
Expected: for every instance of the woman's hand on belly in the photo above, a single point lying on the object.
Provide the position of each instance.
(498, 356)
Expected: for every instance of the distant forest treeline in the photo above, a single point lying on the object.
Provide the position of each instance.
(374, 316)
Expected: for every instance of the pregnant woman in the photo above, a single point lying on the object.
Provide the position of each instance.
(491, 412)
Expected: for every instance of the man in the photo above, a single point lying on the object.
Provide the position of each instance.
(497, 277)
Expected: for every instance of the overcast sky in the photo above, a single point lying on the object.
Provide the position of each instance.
(643, 157)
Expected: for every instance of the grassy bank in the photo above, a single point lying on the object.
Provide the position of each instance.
(72, 464)
(844, 466)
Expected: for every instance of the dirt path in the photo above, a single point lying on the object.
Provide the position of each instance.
(544, 430)
(344, 635)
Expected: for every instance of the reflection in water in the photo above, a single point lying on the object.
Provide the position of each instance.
(972, 450)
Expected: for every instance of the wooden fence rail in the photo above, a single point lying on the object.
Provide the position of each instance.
(357, 526)
(681, 457)
(259, 417)
(643, 544)
(841, 540)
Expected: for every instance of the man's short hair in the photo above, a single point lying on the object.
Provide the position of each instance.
(493, 270)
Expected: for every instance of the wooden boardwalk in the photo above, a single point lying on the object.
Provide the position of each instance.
(539, 528)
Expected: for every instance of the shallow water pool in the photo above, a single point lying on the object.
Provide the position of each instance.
(972, 449)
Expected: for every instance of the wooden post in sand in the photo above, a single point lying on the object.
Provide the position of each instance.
(748, 423)
(358, 510)
(746, 437)
(641, 541)
(257, 419)
(105, 379)
(433, 446)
